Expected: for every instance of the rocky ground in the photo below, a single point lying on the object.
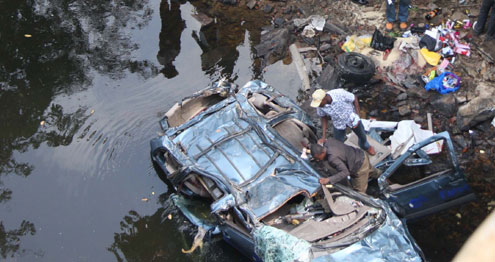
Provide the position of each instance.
(466, 114)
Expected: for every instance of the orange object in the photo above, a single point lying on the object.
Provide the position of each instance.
(389, 26)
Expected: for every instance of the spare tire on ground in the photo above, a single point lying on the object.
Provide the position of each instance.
(355, 68)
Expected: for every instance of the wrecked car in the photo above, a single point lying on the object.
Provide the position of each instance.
(239, 151)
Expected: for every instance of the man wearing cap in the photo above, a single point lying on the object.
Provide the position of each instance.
(343, 107)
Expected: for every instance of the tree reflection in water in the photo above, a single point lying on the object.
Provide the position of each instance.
(218, 41)
(50, 48)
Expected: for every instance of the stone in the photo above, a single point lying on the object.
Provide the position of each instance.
(268, 9)
(325, 47)
(229, 2)
(278, 22)
(402, 103)
(251, 4)
(404, 110)
(446, 104)
(287, 10)
(460, 141)
(325, 38)
(273, 45)
(329, 78)
(417, 92)
(479, 109)
(402, 96)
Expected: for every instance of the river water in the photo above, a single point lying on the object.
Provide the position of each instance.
(83, 85)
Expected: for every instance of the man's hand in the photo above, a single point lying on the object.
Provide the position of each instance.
(324, 181)
(321, 141)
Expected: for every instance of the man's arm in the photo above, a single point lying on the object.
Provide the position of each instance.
(342, 171)
(356, 105)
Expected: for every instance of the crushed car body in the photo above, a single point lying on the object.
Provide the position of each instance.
(239, 151)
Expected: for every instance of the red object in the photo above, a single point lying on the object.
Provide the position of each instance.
(385, 54)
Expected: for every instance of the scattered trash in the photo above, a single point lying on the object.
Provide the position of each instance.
(433, 13)
(304, 154)
(482, 151)
(92, 111)
(318, 22)
(153, 193)
(381, 42)
(431, 58)
(445, 83)
(458, 215)
(42, 123)
(493, 122)
(409, 133)
(308, 31)
(352, 43)
(145, 199)
(27, 36)
(169, 216)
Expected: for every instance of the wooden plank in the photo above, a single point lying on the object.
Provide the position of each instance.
(301, 68)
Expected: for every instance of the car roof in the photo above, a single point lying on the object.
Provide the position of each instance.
(237, 146)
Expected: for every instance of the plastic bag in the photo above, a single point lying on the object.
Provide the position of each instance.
(445, 83)
(431, 57)
(349, 44)
(381, 42)
(352, 43)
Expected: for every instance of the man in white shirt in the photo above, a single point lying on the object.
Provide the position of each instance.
(343, 108)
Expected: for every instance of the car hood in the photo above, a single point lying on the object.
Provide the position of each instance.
(390, 242)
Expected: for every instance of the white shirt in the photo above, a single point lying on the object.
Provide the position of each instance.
(341, 110)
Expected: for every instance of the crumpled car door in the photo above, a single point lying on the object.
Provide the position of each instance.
(417, 184)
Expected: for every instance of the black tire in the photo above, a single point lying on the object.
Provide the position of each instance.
(355, 68)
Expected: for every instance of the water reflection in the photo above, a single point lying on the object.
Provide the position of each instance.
(50, 48)
(10, 239)
(219, 40)
(172, 27)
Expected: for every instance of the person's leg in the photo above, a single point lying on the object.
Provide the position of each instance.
(360, 182)
(390, 13)
(404, 10)
(339, 134)
(490, 31)
(484, 9)
(361, 134)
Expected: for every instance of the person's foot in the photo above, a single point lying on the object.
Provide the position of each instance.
(389, 26)
(403, 26)
(371, 151)
(360, 2)
(476, 29)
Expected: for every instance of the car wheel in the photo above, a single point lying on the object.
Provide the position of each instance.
(355, 68)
